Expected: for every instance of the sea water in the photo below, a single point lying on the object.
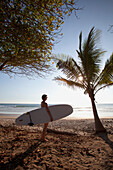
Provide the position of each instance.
(104, 110)
(17, 108)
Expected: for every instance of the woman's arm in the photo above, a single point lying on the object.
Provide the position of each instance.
(47, 108)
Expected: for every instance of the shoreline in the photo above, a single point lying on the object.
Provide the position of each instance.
(14, 116)
(8, 116)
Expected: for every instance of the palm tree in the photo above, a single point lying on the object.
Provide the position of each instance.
(87, 74)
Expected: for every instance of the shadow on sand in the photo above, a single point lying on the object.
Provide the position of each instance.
(18, 160)
(104, 136)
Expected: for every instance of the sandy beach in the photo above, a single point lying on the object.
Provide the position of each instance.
(72, 144)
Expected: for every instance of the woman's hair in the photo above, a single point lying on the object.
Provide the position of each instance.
(44, 96)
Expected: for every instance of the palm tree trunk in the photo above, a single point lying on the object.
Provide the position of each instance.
(98, 125)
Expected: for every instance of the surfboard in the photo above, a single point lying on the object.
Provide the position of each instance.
(41, 115)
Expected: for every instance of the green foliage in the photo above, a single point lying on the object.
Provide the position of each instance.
(87, 73)
(105, 78)
(28, 29)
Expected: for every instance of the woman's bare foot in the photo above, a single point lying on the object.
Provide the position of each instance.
(43, 140)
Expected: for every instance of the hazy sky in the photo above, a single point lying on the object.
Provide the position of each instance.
(98, 13)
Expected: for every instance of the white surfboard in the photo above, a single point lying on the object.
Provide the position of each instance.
(39, 116)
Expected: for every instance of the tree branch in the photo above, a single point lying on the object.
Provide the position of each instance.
(2, 66)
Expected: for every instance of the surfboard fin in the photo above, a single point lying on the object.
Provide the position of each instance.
(20, 120)
(30, 124)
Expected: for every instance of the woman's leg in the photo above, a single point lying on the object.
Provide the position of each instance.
(44, 131)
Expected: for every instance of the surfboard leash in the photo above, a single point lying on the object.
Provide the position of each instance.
(31, 123)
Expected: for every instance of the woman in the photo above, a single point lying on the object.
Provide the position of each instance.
(44, 104)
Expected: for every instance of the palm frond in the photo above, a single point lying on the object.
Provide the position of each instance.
(91, 55)
(70, 83)
(107, 85)
(80, 42)
(57, 57)
(89, 67)
(69, 68)
(78, 68)
(106, 76)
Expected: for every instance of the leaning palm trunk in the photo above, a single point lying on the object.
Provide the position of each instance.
(89, 68)
(98, 125)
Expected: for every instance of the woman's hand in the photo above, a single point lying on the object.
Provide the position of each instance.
(51, 118)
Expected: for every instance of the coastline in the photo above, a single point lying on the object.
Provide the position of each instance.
(72, 144)
(9, 115)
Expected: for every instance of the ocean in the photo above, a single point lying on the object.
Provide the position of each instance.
(83, 112)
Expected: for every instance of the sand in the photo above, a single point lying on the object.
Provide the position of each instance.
(72, 144)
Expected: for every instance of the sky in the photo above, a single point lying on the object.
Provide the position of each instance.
(98, 13)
